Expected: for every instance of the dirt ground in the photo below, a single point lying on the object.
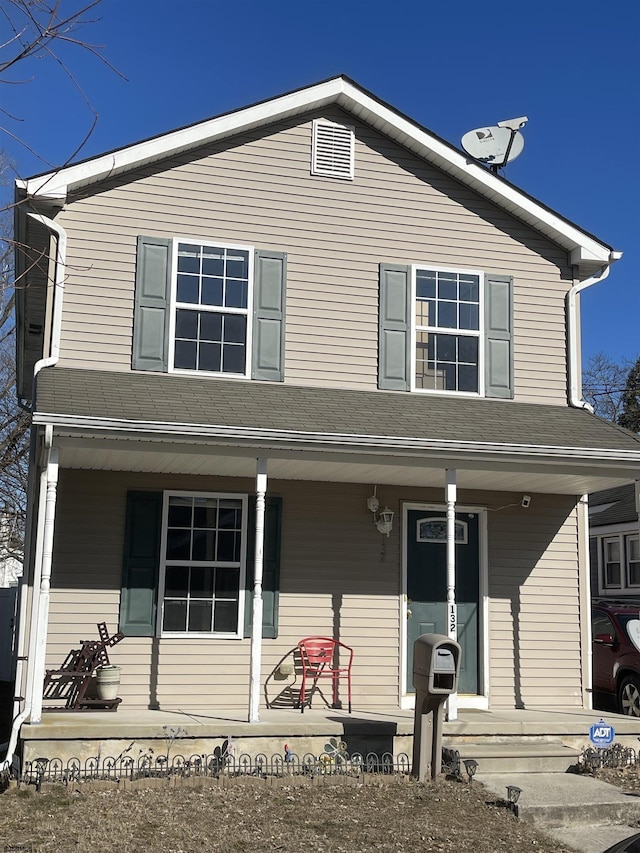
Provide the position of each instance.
(256, 815)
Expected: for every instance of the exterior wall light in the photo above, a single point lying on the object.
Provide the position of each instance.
(383, 520)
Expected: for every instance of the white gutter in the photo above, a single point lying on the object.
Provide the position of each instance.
(575, 384)
(58, 291)
(51, 474)
(40, 602)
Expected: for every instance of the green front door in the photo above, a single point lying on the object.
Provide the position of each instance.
(427, 586)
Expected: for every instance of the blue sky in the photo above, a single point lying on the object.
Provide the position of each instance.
(571, 66)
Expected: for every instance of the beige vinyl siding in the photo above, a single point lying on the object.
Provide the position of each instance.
(534, 607)
(257, 189)
(336, 580)
(332, 583)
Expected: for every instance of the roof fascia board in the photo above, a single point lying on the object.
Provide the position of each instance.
(292, 438)
(55, 185)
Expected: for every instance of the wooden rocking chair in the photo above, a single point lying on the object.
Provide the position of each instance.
(71, 681)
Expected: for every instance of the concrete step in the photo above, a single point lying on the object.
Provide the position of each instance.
(565, 800)
(517, 755)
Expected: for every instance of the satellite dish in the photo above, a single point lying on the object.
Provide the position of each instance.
(496, 145)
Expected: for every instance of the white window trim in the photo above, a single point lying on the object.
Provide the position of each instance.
(210, 635)
(174, 305)
(623, 536)
(480, 334)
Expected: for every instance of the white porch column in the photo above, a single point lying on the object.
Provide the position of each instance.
(256, 624)
(45, 585)
(452, 609)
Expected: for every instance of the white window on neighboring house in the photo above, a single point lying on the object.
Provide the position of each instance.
(448, 329)
(211, 308)
(619, 556)
(612, 563)
(202, 568)
(633, 560)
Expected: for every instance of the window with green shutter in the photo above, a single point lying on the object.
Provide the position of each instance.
(445, 331)
(209, 308)
(189, 562)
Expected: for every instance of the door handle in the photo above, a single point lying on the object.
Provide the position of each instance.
(409, 613)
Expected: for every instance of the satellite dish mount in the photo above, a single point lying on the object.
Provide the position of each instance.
(496, 146)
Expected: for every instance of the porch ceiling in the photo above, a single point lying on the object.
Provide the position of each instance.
(169, 424)
(191, 459)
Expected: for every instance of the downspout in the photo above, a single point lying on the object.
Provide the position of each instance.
(58, 292)
(585, 563)
(575, 385)
(49, 361)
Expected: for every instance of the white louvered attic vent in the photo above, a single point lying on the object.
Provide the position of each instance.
(332, 150)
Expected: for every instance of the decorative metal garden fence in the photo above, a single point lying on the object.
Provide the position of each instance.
(215, 765)
(615, 756)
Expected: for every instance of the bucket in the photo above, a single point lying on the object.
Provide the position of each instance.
(108, 681)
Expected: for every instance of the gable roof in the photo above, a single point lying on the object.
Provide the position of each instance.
(585, 251)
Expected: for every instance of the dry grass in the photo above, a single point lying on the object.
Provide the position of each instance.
(254, 815)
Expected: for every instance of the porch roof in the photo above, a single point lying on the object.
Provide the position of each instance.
(111, 402)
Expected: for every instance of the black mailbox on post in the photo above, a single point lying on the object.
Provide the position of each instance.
(436, 669)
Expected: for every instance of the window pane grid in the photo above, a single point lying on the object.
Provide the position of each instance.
(212, 291)
(447, 361)
(202, 564)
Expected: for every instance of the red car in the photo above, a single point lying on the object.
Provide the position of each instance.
(615, 627)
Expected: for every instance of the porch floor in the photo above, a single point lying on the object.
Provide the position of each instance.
(540, 722)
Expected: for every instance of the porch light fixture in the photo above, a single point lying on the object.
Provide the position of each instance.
(384, 519)
(470, 765)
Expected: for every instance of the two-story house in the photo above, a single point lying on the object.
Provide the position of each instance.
(245, 339)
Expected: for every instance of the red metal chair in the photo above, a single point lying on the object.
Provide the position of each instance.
(319, 657)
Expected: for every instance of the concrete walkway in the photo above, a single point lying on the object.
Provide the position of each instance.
(579, 811)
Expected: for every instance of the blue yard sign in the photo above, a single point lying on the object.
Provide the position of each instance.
(601, 734)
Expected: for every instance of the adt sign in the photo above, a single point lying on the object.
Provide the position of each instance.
(601, 734)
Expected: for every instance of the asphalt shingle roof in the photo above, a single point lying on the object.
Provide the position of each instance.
(173, 399)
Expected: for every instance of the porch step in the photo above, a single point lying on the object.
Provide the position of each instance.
(518, 755)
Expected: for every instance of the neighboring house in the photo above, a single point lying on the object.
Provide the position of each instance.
(614, 542)
(301, 305)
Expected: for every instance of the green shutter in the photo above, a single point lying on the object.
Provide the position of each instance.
(268, 315)
(394, 327)
(271, 567)
(499, 336)
(151, 311)
(141, 564)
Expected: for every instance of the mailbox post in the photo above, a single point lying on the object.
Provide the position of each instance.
(436, 669)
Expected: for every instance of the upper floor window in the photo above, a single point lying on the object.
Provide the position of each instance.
(445, 330)
(448, 329)
(211, 309)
